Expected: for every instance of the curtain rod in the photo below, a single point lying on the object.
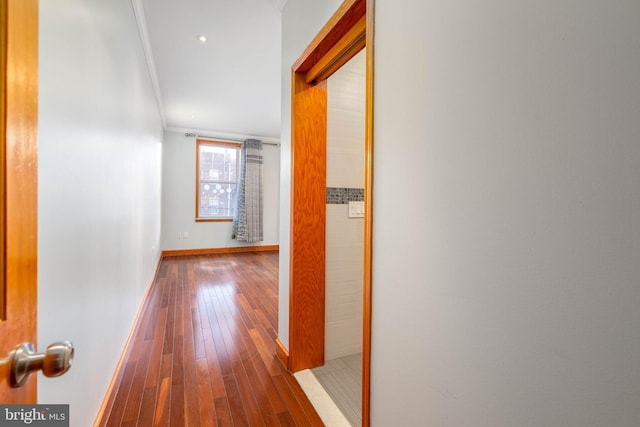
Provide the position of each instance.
(212, 138)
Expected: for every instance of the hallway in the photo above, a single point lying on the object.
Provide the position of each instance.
(203, 353)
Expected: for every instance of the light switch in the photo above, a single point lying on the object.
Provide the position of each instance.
(356, 209)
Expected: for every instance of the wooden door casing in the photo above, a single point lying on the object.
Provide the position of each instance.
(348, 31)
(19, 195)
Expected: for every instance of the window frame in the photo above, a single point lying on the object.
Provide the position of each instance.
(215, 143)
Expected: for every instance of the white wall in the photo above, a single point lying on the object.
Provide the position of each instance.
(344, 235)
(301, 21)
(179, 199)
(506, 213)
(506, 210)
(99, 192)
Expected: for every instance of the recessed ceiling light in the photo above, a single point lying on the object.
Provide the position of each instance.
(195, 116)
(201, 38)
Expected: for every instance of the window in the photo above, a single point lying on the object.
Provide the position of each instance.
(217, 167)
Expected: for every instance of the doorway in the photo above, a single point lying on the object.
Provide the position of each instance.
(341, 375)
(347, 32)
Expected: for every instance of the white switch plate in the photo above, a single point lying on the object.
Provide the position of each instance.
(356, 209)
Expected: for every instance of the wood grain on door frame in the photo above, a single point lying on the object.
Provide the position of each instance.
(3, 135)
(348, 31)
(20, 185)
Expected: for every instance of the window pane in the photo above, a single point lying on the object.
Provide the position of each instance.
(217, 177)
(217, 199)
(218, 163)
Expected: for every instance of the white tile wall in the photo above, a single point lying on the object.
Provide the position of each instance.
(345, 125)
(344, 235)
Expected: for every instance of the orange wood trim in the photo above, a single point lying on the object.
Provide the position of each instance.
(20, 169)
(112, 390)
(368, 221)
(3, 137)
(308, 217)
(345, 18)
(338, 41)
(214, 251)
(282, 353)
(214, 219)
(346, 48)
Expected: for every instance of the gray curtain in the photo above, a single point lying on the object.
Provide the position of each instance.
(247, 221)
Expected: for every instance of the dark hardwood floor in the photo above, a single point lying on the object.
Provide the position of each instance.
(203, 353)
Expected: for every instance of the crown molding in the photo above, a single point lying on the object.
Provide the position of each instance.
(141, 21)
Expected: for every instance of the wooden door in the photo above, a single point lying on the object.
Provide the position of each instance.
(18, 182)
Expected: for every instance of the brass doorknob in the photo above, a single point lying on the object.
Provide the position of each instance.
(23, 360)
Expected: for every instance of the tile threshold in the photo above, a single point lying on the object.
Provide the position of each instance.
(320, 399)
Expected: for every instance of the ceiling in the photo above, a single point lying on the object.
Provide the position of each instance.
(227, 87)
